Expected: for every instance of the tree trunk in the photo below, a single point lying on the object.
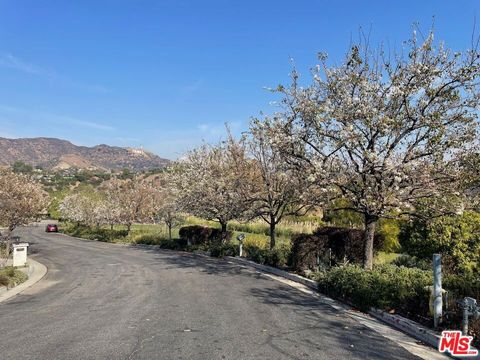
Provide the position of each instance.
(370, 225)
(272, 231)
(111, 226)
(169, 231)
(224, 232)
(129, 226)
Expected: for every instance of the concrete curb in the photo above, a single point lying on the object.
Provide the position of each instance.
(294, 277)
(409, 327)
(36, 271)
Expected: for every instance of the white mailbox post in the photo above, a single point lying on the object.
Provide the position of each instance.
(20, 254)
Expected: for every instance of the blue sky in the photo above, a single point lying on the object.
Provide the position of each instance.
(167, 75)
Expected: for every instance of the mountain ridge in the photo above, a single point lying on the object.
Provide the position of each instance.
(55, 154)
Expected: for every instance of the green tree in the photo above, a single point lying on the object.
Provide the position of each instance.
(20, 167)
(457, 238)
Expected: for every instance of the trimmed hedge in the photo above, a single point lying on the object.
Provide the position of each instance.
(347, 245)
(276, 257)
(202, 235)
(386, 287)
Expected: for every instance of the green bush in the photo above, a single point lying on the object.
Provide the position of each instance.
(277, 257)
(458, 287)
(9, 276)
(174, 244)
(390, 230)
(412, 262)
(149, 239)
(462, 285)
(386, 287)
(222, 250)
(4, 280)
(457, 238)
(346, 245)
(201, 235)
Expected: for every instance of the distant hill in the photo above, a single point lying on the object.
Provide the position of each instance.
(51, 153)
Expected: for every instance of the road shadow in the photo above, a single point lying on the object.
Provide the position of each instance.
(317, 320)
(185, 260)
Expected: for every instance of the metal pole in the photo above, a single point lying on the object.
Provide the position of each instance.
(240, 252)
(437, 289)
(465, 318)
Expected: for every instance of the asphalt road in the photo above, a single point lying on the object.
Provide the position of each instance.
(104, 301)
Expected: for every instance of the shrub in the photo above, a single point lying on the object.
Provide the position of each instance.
(4, 280)
(458, 287)
(216, 236)
(174, 244)
(305, 251)
(258, 241)
(386, 287)
(255, 253)
(277, 257)
(346, 245)
(412, 262)
(202, 235)
(222, 250)
(9, 271)
(148, 239)
(390, 230)
(457, 238)
(9, 276)
(196, 234)
(462, 285)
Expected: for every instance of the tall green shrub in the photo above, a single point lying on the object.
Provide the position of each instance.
(457, 238)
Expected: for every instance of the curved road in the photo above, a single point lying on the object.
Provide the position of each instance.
(104, 301)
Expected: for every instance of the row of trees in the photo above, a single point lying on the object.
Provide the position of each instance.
(381, 135)
(123, 201)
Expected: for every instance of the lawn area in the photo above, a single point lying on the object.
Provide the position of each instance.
(141, 231)
(256, 232)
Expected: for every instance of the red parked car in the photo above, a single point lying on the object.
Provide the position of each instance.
(51, 228)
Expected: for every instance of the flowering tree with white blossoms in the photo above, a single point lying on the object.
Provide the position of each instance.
(133, 200)
(21, 201)
(469, 171)
(82, 207)
(208, 180)
(274, 188)
(381, 132)
(166, 206)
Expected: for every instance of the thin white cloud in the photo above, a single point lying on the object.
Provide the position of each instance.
(12, 62)
(47, 117)
(88, 124)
